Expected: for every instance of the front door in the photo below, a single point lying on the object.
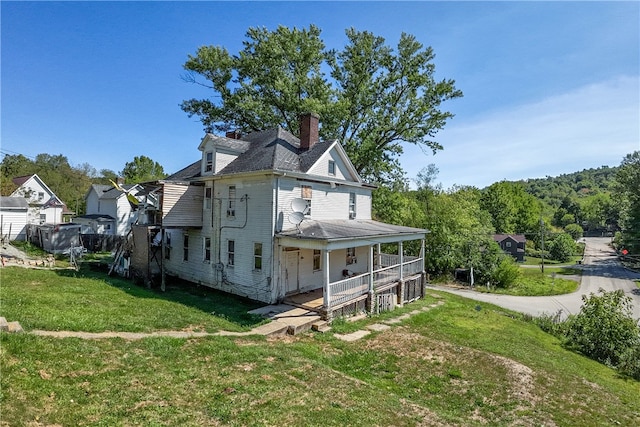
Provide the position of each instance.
(291, 272)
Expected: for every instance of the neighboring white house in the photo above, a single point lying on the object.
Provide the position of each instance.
(13, 218)
(108, 210)
(269, 216)
(44, 206)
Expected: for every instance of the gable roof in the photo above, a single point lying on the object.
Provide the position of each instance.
(109, 192)
(19, 180)
(515, 237)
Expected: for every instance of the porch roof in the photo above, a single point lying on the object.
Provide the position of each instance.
(338, 234)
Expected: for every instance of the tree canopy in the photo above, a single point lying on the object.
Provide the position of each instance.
(628, 190)
(142, 169)
(376, 98)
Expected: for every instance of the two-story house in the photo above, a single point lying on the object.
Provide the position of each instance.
(268, 216)
(44, 206)
(512, 244)
(108, 210)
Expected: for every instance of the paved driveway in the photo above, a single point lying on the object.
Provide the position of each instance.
(601, 269)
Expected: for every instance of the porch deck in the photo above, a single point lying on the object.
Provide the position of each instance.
(392, 285)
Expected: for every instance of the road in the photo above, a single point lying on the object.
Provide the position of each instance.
(601, 269)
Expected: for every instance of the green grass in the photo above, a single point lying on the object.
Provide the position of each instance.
(529, 260)
(533, 283)
(463, 363)
(94, 302)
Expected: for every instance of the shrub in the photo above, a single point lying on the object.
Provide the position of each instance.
(605, 330)
(562, 248)
(574, 230)
(506, 273)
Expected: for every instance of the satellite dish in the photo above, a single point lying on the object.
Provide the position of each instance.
(299, 205)
(296, 218)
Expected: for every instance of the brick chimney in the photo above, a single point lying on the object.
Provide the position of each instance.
(234, 134)
(308, 130)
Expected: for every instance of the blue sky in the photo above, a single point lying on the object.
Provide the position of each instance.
(549, 87)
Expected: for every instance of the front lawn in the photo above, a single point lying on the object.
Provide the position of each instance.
(462, 363)
(94, 302)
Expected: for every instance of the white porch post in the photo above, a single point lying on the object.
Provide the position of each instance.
(371, 269)
(379, 250)
(422, 253)
(327, 288)
(401, 257)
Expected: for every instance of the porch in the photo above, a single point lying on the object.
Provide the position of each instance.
(395, 281)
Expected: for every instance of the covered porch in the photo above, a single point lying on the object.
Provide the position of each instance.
(351, 273)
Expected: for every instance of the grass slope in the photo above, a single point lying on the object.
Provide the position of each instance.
(461, 363)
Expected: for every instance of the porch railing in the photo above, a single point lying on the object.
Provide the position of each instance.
(350, 288)
(347, 289)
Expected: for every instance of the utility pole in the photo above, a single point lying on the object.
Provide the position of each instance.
(542, 245)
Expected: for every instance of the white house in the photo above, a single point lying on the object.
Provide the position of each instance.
(108, 210)
(270, 216)
(44, 206)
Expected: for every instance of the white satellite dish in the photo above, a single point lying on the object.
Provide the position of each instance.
(299, 205)
(296, 218)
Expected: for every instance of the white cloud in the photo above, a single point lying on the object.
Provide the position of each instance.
(592, 126)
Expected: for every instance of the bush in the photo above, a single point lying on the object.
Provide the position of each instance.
(574, 230)
(506, 273)
(605, 330)
(562, 248)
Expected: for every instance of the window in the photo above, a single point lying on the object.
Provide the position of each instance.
(208, 166)
(40, 197)
(207, 249)
(185, 248)
(316, 260)
(332, 167)
(307, 191)
(352, 205)
(43, 218)
(167, 246)
(507, 244)
(257, 256)
(351, 256)
(207, 197)
(231, 252)
(231, 207)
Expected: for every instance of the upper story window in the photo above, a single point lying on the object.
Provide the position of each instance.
(207, 197)
(307, 192)
(231, 206)
(40, 196)
(352, 205)
(185, 248)
(208, 165)
(332, 167)
(508, 244)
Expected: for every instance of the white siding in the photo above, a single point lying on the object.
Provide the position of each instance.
(182, 205)
(223, 159)
(321, 167)
(14, 223)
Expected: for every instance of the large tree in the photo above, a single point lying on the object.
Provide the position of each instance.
(377, 98)
(628, 190)
(142, 169)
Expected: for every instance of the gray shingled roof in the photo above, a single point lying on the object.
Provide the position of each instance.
(13, 203)
(347, 229)
(187, 173)
(275, 149)
(98, 217)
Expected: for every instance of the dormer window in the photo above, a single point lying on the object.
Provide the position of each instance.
(208, 165)
(332, 167)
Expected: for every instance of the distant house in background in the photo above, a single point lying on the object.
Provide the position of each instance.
(44, 206)
(13, 218)
(513, 244)
(108, 210)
